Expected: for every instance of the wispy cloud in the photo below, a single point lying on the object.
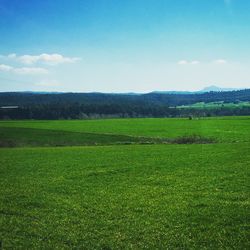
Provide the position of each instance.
(23, 70)
(186, 62)
(220, 61)
(32, 60)
(195, 62)
(13, 55)
(4, 67)
(50, 59)
(182, 62)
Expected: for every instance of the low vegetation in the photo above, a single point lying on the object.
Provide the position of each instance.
(192, 140)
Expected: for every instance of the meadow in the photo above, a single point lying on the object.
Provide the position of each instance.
(125, 184)
(216, 105)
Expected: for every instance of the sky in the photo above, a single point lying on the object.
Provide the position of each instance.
(124, 45)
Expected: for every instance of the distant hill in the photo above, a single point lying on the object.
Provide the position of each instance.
(173, 92)
(211, 88)
(214, 88)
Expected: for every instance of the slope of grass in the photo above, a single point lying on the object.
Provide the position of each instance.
(125, 197)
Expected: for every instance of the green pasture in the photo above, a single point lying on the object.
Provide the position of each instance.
(111, 195)
(216, 105)
(224, 129)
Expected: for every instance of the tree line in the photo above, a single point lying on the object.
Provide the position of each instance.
(76, 111)
(26, 98)
(97, 105)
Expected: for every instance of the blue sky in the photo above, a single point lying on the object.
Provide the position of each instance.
(123, 45)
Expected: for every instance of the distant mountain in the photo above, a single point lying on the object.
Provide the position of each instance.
(216, 89)
(211, 88)
(173, 92)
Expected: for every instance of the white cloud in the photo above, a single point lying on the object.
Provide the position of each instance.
(51, 59)
(185, 62)
(4, 67)
(23, 70)
(220, 61)
(194, 62)
(57, 58)
(27, 59)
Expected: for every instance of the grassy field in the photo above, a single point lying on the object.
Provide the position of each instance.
(216, 105)
(227, 129)
(111, 195)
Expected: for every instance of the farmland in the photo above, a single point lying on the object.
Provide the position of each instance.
(125, 183)
(216, 105)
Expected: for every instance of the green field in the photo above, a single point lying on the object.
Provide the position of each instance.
(125, 184)
(216, 105)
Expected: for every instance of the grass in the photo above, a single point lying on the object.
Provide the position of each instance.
(157, 196)
(30, 137)
(215, 105)
(224, 129)
(21, 137)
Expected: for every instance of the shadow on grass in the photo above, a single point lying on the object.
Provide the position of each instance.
(25, 137)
